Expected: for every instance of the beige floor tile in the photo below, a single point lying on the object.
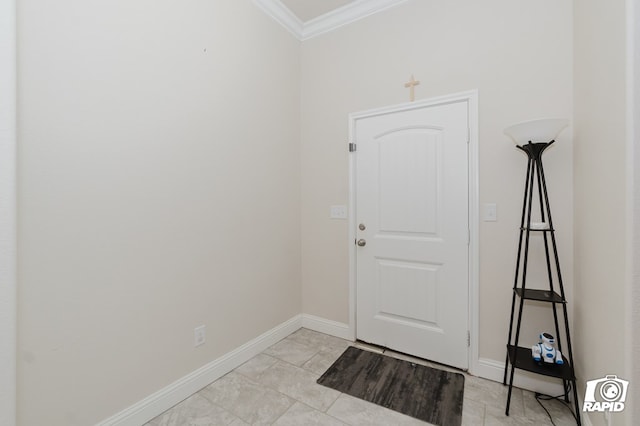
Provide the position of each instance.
(493, 394)
(256, 365)
(495, 416)
(322, 341)
(291, 351)
(472, 413)
(321, 361)
(246, 399)
(302, 415)
(562, 414)
(356, 412)
(194, 411)
(299, 384)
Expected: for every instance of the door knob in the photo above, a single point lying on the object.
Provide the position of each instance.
(362, 242)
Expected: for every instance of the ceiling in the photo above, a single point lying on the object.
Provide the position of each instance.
(306, 10)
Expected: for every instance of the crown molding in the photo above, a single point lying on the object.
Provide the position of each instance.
(345, 15)
(282, 15)
(324, 23)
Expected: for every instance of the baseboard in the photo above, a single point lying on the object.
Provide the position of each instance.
(157, 403)
(322, 325)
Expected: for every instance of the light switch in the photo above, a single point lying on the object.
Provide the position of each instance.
(338, 212)
(490, 212)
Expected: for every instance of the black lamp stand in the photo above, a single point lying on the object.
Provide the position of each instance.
(517, 356)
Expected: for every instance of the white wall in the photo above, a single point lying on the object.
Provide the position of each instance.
(633, 8)
(633, 80)
(518, 55)
(158, 190)
(600, 180)
(7, 212)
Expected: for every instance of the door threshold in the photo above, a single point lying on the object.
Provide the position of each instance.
(403, 356)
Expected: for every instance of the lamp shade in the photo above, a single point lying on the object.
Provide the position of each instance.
(544, 130)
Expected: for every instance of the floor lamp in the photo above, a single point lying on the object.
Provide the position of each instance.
(533, 138)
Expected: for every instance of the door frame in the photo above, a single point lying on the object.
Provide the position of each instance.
(471, 97)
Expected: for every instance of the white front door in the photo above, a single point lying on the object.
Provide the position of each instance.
(412, 215)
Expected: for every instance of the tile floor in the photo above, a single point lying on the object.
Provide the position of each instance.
(278, 387)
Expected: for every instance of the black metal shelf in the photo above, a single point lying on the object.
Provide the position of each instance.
(539, 295)
(524, 361)
(518, 357)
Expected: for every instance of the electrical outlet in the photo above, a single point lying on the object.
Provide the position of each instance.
(199, 335)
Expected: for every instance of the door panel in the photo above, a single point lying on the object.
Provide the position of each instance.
(407, 188)
(397, 279)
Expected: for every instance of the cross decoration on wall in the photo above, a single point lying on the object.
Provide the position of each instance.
(411, 85)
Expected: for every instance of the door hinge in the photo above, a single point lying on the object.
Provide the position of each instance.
(468, 134)
(352, 147)
(468, 339)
